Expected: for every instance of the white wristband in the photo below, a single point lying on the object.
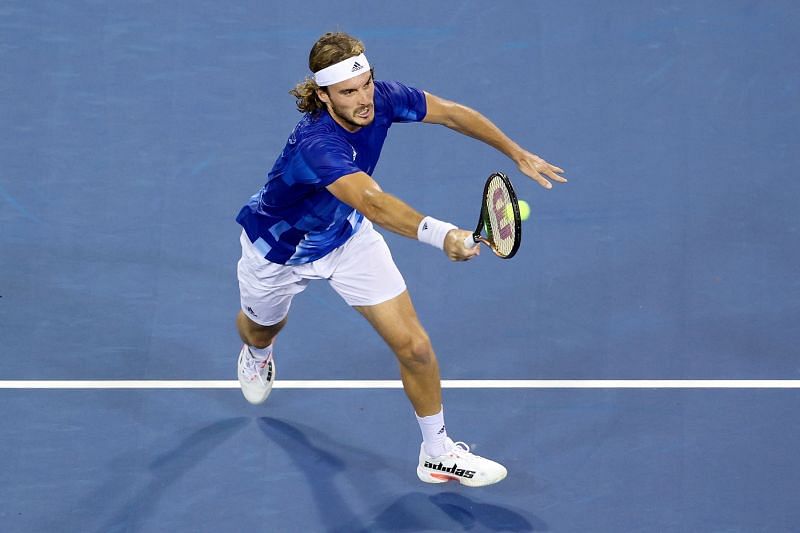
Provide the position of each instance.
(432, 231)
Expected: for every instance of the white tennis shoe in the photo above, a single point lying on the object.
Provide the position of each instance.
(255, 378)
(458, 464)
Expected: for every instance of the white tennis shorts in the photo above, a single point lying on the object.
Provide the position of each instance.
(361, 270)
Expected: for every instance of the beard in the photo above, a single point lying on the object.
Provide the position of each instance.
(352, 119)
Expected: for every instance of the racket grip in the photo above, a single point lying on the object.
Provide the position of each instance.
(469, 242)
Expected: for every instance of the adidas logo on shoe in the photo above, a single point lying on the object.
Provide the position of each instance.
(452, 470)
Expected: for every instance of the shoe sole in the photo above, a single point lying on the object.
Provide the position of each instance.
(430, 477)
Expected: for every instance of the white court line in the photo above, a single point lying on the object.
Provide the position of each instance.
(396, 384)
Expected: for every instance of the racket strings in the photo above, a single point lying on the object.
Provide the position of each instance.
(500, 217)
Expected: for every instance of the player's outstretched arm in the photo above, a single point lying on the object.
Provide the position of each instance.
(469, 122)
(360, 191)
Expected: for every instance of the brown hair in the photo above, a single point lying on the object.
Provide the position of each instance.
(329, 49)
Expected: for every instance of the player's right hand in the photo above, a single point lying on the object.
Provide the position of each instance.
(454, 246)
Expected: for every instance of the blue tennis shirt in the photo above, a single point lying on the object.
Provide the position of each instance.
(294, 219)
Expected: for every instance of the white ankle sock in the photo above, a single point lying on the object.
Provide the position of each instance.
(260, 354)
(433, 433)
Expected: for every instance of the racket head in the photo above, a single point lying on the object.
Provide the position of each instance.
(500, 217)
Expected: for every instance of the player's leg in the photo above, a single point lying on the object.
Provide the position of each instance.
(367, 278)
(363, 273)
(265, 291)
(256, 366)
(440, 459)
(396, 322)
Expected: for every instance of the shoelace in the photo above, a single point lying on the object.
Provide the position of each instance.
(461, 449)
(253, 369)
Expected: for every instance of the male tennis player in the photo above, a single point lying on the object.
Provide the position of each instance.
(313, 219)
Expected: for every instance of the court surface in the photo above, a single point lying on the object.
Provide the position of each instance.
(649, 318)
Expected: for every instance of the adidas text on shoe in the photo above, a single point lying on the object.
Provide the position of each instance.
(458, 464)
(255, 377)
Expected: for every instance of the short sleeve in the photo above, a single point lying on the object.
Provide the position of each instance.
(327, 159)
(407, 103)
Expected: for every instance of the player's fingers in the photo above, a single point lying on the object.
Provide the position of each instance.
(542, 181)
(555, 177)
(463, 257)
(465, 252)
(531, 169)
(469, 253)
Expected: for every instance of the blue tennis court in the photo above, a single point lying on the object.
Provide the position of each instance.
(133, 133)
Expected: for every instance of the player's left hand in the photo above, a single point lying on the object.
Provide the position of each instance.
(539, 170)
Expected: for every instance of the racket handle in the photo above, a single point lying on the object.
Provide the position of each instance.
(470, 242)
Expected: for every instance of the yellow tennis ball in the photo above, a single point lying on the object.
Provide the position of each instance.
(524, 210)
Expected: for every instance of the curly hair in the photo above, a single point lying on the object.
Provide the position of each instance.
(329, 49)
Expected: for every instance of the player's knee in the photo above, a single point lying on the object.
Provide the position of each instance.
(257, 335)
(417, 350)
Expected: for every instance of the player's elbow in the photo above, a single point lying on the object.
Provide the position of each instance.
(455, 116)
(373, 205)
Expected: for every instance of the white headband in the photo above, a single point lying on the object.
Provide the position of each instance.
(343, 70)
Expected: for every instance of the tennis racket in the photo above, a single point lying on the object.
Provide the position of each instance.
(499, 217)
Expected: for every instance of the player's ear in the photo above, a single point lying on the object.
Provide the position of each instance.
(322, 94)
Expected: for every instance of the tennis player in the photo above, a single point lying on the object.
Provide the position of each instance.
(313, 219)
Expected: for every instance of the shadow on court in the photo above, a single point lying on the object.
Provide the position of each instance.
(450, 511)
(335, 471)
(330, 466)
(137, 483)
